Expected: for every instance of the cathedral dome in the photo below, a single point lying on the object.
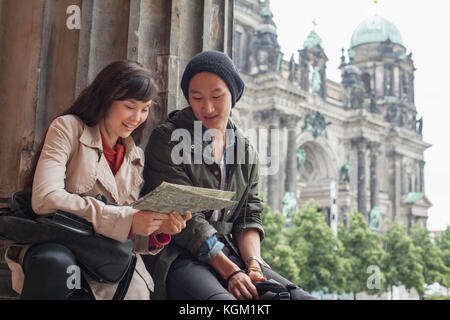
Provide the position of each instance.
(375, 29)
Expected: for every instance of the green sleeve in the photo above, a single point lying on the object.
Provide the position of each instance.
(250, 214)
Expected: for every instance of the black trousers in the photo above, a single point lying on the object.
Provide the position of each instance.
(190, 279)
(47, 271)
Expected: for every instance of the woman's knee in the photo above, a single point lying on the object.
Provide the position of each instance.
(50, 257)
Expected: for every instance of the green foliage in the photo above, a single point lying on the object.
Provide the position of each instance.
(443, 244)
(274, 250)
(434, 269)
(437, 297)
(362, 249)
(402, 260)
(309, 255)
(317, 253)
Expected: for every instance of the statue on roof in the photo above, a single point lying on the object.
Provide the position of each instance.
(316, 81)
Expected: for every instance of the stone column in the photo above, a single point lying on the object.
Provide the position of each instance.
(361, 146)
(374, 150)
(273, 179)
(397, 158)
(422, 176)
(291, 123)
(396, 82)
(304, 71)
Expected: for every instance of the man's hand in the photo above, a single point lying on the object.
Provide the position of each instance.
(256, 274)
(241, 286)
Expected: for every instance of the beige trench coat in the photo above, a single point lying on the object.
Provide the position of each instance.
(71, 171)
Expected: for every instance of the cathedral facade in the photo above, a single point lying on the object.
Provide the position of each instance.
(354, 144)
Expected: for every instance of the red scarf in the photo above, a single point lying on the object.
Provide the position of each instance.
(113, 156)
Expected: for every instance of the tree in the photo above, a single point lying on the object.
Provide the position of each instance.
(402, 260)
(443, 243)
(434, 269)
(362, 248)
(317, 253)
(274, 250)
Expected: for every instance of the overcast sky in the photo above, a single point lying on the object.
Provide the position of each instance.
(423, 26)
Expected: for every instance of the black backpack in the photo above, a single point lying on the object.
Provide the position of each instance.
(273, 290)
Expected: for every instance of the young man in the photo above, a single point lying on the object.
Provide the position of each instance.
(218, 255)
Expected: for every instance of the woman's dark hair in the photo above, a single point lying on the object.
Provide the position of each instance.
(121, 80)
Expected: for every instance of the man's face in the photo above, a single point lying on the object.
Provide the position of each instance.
(210, 100)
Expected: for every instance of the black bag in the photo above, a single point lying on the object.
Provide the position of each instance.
(104, 259)
(273, 290)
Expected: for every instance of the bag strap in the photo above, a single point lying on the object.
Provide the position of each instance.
(124, 284)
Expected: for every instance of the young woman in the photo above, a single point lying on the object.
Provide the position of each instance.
(90, 150)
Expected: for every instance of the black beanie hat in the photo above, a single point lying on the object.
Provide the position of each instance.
(215, 62)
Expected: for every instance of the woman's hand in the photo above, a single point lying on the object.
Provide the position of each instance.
(175, 224)
(147, 222)
(241, 286)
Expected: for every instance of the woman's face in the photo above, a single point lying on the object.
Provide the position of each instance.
(123, 118)
(210, 100)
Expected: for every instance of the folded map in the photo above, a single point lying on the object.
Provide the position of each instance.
(168, 197)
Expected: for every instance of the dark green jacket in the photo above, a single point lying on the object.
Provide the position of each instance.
(242, 179)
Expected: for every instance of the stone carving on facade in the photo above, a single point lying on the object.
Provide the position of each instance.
(392, 114)
(316, 124)
(357, 95)
(402, 119)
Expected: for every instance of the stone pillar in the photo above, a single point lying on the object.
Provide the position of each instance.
(291, 122)
(323, 77)
(304, 71)
(361, 146)
(273, 179)
(422, 176)
(374, 150)
(379, 80)
(396, 81)
(397, 158)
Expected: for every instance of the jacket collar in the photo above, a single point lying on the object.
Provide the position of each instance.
(185, 119)
(91, 137)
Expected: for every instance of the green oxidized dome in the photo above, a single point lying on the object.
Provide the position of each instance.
(375, 29)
